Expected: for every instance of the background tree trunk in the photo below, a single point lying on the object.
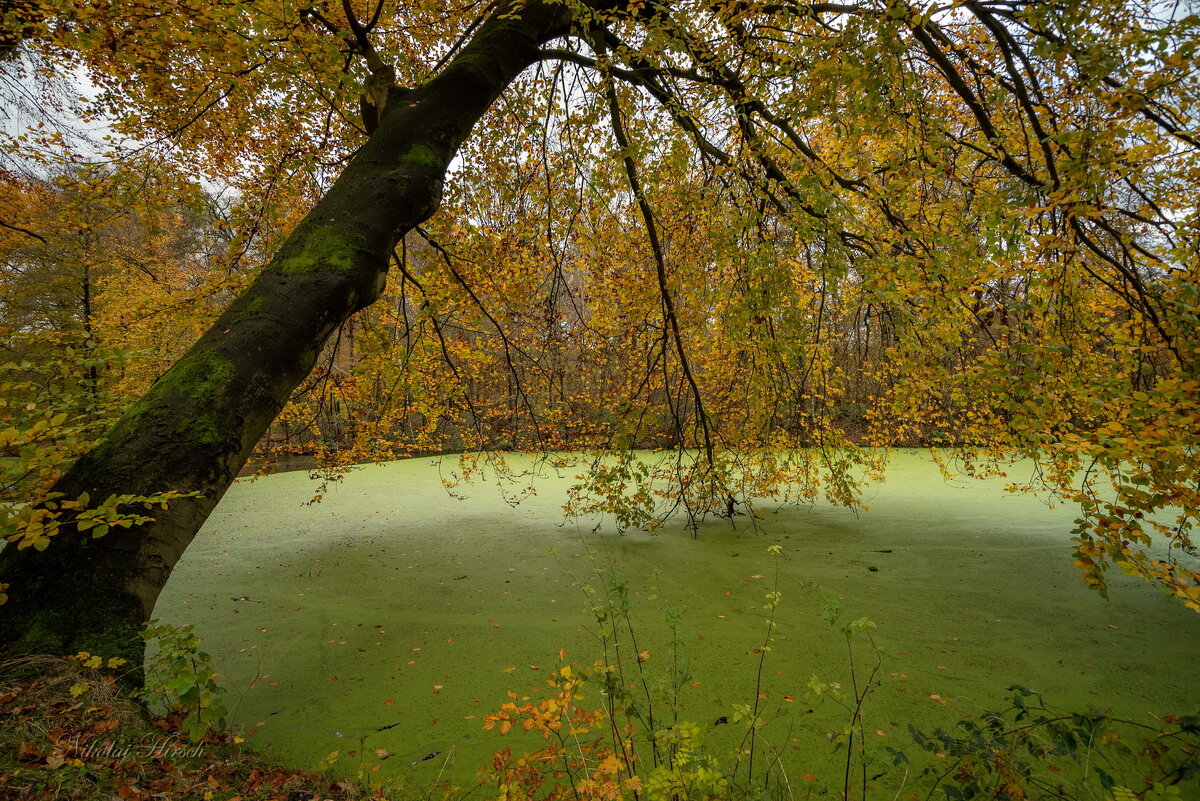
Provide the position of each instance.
(196, 427)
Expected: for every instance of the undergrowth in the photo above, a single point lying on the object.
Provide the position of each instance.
(611, 728)
(70, 732)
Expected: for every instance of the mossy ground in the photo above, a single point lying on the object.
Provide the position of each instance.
(390, 618)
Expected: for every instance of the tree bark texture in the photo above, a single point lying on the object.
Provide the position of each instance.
(196, 427)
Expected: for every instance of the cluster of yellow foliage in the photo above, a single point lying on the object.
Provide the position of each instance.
(592, 757)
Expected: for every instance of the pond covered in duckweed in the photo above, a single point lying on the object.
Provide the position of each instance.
(384, 622)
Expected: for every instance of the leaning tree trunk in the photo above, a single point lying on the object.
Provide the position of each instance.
(196, 427)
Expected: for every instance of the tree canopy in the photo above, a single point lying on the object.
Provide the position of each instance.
(772, 238)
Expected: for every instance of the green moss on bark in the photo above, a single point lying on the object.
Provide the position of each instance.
(424, 156)
(183, 399)
(325, 247)
(247, 309)
(199, 378)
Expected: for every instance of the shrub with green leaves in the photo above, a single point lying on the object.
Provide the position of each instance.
(1029, 751)
(180, 679)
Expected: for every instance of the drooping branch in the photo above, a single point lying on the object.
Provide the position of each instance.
(510, 347)
(671, 318)
(646, 79)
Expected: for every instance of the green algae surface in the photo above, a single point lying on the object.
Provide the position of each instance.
(384, 622)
